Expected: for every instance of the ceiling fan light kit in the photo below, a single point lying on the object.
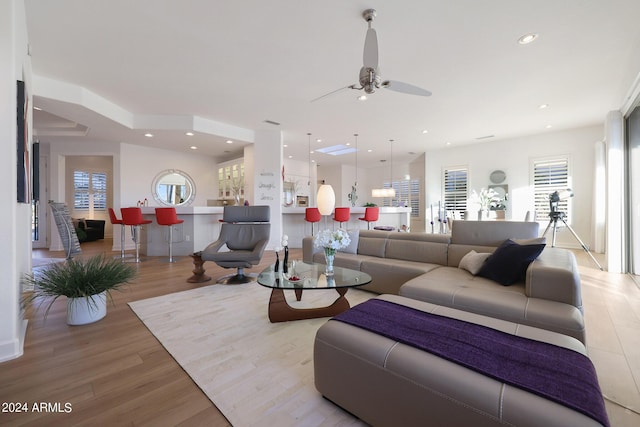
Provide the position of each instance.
(370, 78)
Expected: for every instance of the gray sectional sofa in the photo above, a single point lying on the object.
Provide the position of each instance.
(386, 380)
(423, 266)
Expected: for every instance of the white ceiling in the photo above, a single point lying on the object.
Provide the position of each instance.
(243, 62)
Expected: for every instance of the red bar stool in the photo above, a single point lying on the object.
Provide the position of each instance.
(341, 215)
(168, 217)
(370, 215)
(115, 221)
(312, 215)
(133, 218)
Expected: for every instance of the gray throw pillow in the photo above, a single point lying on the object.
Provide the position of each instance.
(473, 261)
(353, 246)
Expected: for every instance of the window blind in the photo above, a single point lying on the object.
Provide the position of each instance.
(549, 176)
(90, 189)
(455, 189)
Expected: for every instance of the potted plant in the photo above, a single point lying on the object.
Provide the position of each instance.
(87, 283)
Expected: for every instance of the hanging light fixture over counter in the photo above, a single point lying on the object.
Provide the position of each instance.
(386, 192)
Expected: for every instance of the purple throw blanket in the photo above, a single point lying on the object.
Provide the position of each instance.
(555, 373)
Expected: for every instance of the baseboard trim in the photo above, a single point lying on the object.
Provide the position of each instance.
(14, 348)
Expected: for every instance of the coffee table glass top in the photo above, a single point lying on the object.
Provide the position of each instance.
(312, 276)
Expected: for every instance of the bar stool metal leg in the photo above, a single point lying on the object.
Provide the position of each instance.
(135, 235)
(122, 233)
(171, 244)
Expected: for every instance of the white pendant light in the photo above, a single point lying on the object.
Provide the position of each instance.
(326, 199)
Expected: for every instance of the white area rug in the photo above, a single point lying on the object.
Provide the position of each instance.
(254, 371)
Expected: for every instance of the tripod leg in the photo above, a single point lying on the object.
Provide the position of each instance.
(548, 227)
(582, 244)
(553, 221)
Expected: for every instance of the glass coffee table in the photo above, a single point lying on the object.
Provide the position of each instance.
(311, 277)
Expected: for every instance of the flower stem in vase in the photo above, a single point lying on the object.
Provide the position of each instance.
(329, 256)
(277, 264)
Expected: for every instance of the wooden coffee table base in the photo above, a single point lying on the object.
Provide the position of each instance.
(281, 311)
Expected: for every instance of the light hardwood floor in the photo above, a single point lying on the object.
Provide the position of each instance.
(113, 372)
(116, 373)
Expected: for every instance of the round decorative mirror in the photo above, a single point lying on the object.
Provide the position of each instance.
(173, 187)
(497, 176)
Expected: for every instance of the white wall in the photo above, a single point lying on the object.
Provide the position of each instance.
(15, 218)
(134, 169)
(514, 157)
(140, 165)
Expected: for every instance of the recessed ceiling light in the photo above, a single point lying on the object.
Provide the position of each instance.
(543, 106)
(362, 98)
(548, 126)
(347, 143)
(318, 140)
(148, 135)
(193, 147)
(313, 161)
(312, 152)
(527, 38)
(189, 134)
(448, 143)
(285, 145)
(425, 131)
(290, 156)
(229, 141)
(369, 150)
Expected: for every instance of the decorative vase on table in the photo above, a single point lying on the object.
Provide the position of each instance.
(329, 256)
(330, 241)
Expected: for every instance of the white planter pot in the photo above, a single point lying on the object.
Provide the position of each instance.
(81, 311)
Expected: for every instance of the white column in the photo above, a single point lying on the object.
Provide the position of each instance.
(267, 184)
(15, 218)
(614, 138)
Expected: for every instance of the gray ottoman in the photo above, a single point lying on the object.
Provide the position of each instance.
(387, 383)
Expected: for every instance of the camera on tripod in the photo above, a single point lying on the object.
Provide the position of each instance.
(554, 214)
(554, 199)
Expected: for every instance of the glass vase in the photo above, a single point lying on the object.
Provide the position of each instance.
(329, 256)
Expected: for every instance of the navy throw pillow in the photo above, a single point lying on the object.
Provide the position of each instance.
(509, 262)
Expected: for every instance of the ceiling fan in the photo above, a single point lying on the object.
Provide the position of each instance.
(370, 78)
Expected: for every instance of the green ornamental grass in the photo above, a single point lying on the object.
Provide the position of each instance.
(79, 278)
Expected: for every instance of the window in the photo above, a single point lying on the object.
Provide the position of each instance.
(550, 175)
(90, 190)
(455, 190)
(407, 194)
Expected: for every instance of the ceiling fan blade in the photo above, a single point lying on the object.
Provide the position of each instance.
(405, 88)
(333, 92)
(370, 55)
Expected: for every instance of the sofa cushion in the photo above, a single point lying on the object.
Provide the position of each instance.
(457, 288)
(473, 261)
(534, 241)
(418, 247)
(491, 233)
(372, 243)
(509, 262)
